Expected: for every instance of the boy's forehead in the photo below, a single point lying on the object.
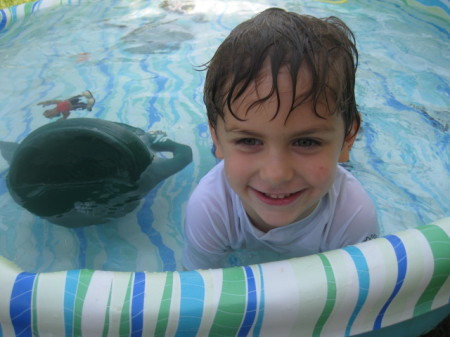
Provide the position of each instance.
(262, 88)
(261, 120)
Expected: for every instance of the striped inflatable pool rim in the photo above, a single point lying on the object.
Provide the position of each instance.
(357, 289)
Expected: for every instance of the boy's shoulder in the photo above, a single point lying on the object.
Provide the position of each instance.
(213, 187)
(352, 205)
(346, 183)
(215, 177)
(213, 203)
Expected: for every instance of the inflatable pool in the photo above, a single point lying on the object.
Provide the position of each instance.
(398, 285)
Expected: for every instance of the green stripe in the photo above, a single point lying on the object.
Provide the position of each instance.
(164, 307)
(331, 296)
(34, 320)
(83, 285)
(231, 309)
(440, 246)
(106, 327)
(125, 322)
(28, 8)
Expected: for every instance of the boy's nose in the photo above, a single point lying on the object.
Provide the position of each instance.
(276, 169)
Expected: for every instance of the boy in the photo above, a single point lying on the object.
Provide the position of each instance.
(279, 94)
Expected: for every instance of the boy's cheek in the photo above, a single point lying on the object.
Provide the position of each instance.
(324, 174)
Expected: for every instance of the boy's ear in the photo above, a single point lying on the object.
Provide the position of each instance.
(218, 149)
(344, 156)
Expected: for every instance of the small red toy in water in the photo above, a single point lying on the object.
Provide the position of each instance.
(63, 107)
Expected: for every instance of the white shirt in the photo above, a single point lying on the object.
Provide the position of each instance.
(216, 223)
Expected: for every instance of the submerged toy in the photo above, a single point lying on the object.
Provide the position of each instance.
(63, 107)
(86, 171)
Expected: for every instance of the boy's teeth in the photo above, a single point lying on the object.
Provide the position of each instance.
(278, 196)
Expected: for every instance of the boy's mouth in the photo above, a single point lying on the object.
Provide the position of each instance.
(277, 199)
(278, 196)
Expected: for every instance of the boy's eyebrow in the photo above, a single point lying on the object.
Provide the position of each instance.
(239, 130)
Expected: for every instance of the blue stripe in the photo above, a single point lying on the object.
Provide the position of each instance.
(364, 283)
(400, 252)
(176, 88)
(13, 11)
(252, 300)
(3, 186)
(70, 291)
(109, 78)
(404, 10)
(154, 115)
(435, 3)
(258, 325)
(145, 220)
(137, 304)
(82, 247)
(20, 304)
(191, 303)
(36, 6)
(371, 136)
(3, 20)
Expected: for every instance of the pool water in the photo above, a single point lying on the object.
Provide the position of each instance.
(140, 58)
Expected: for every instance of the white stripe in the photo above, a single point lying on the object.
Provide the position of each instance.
(347, 292)
(291, 305)
(213, 280)
(382, 264)
(443, 224)
(120, 281)
(96, 303)
(154, 289)
(443, 296)
(50, 303)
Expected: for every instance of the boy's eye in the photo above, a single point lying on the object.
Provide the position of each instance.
(248, 141)
(306, 142)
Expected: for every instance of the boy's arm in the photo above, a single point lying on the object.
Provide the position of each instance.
(356, 215)
(193, 258)
(203, 247)
(362, 226)
(207, 227)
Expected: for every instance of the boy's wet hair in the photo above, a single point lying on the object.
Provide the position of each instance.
(324, 47)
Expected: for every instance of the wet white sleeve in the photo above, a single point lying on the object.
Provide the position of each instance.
(355, 213)
(206, 239)
(202, 247)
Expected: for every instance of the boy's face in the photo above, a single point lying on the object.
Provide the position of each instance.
(279, 168)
